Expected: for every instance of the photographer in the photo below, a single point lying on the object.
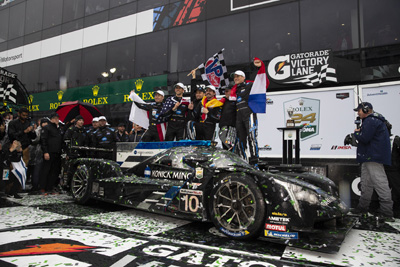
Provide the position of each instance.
(373, 151)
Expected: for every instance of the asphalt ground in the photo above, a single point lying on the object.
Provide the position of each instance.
(52, 230)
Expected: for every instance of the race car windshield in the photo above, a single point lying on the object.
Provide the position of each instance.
(223, 158)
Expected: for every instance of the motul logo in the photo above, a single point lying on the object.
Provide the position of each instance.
(275, 227)
(340, 147)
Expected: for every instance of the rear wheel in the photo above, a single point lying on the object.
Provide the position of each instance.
(237, 207)
(81, 184)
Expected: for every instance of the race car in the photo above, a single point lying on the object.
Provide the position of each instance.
(196, 181)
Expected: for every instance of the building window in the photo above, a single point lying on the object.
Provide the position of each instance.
(4, 15)
(49, 73)
(121, 55)
(70, 67)
(95, 6)
(151, 54)
(34, 15)
(329, 25)
(93, 64)
(266, 39)
(30, 76)
(16, 21)
(232, 33)
(186, 47)
(52, 13)
(73, 9)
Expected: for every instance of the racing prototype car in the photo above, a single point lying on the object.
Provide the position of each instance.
(196, 181)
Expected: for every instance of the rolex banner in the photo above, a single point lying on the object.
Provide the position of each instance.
(308, 68)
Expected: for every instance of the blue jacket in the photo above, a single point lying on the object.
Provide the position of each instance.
(373, 140)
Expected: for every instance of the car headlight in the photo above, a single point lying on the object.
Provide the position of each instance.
(304, 194)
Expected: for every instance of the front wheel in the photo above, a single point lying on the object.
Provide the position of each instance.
(81, 184)
(237, 207)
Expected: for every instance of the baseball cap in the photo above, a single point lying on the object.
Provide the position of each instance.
(102, 118)
(160, 92)
(121, 124)
(362, 105)
(53, 115)
(212, 88)
(238, 72)
(181, 85)
(95, 119)
(79, 117)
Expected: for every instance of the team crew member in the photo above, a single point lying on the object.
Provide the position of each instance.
(227, 123)
(207, 115)
(136, 133)
(76, 136)
(175, 109)
(196, 95)
(104, 138)
(121, 135)
(373, 150)
(21, 129)
(51, 142)
(246, 120)
(153, 134)
(92, 130)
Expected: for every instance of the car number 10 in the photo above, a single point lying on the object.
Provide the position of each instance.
(191, 203)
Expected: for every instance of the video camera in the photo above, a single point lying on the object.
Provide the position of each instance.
(350, 139)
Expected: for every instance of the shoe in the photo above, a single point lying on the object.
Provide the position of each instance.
(17, 196)
(357, 211)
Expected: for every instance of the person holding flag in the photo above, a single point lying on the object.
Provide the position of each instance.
(175, 109)
(154, 132)
(207, 114)
(250, 99)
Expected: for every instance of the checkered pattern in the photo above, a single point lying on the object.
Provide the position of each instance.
(8, 93)
(218, 63)
(316, 78)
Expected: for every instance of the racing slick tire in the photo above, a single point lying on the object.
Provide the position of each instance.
(237, 207)
(81, 184)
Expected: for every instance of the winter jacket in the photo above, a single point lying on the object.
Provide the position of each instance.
(373, 140)
(51, 139)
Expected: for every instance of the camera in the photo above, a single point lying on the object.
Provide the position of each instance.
(350, 139)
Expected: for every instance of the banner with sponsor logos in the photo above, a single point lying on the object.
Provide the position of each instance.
(100, 94)
(385, 99)
(326, 115)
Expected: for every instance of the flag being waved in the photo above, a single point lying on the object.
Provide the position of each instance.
(137, 115)
(258, 98)
(214, 70)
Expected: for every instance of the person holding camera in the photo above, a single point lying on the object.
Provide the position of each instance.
(373, 151)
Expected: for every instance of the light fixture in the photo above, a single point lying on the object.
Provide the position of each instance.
(110, 74)
(104, 74)
(113, 70)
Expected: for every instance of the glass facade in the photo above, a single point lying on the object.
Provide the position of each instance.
(184, 33)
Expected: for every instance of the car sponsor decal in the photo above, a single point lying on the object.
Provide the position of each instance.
(283, 235)
(278, 219)
(275, 227)
(170, 175)
(235, 234)
(190, 200)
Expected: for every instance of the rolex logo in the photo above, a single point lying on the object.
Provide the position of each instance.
(60, 95)
(30, 99)
(95, 90)
(139, 83)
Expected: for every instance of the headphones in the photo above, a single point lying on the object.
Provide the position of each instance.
(365, 109)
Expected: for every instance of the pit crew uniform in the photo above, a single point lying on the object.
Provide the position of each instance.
(205, 123)
(227, 123)
(153, 134)
(246, 124)
(76, 137)
(192, 118)
(176, 119)
(104, 137)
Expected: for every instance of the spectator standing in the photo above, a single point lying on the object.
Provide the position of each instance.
(17, 174)
(51, 141)
(196, 95)
(21, 129)
(373, 151)
(104, 138)
(121, 134)
(227, 130)
(136, 134)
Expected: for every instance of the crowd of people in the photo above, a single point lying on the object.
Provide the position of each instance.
(33, 150)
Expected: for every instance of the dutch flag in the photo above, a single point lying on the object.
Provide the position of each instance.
(258, 98)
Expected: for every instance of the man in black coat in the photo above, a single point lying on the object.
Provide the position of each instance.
(104, 138)
(76, 136)
(227, 123)
(21, 130)
(51, 142)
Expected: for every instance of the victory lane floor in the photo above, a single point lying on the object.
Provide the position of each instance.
(52, 230)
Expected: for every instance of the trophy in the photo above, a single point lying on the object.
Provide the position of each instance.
(290, 121)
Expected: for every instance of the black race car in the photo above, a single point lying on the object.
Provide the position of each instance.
(197, 181)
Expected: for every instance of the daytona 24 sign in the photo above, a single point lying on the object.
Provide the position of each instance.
(308, 68)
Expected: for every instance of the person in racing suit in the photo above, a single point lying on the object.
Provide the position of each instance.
(104, 138)
(196, 95)
(175, 109)
(246, 120)
(207, 115)
(227, 123)
(153, 134)
(76, 136)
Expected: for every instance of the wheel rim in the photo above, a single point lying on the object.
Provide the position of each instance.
(234, 206)
(80, 182)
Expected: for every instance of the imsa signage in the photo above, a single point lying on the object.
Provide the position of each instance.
(308, 68)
